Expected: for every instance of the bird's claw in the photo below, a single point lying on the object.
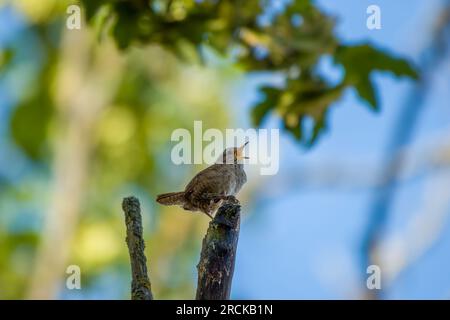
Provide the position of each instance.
(216, 198)
(232, 200)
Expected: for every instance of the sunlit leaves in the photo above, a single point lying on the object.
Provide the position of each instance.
(302, 104)
(29, 127)
(157, 94)
(294, 37)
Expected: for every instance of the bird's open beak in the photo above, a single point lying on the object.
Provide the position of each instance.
(240, 152)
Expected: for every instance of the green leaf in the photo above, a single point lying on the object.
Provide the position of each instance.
(92, 7)
(295, 130)
(361, 60)
(29, 126)
(366, 91)
(318, 129)
(126, 28)
(31, 118)
(5, 58)
(182, 27)
(262, 109)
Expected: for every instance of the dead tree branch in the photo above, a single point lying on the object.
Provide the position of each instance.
(140, 286)
(216, 266)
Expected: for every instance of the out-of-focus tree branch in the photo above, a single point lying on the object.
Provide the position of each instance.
(405, 247)
(84, 90)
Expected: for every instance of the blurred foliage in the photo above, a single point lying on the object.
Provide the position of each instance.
(292, 43)
(360, 61)
(164, 82)
(5, 58)
(131, 133)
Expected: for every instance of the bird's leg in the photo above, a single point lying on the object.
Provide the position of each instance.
(217, 197)
(231, 199)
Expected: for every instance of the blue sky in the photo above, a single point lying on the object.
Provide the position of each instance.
(306, 243)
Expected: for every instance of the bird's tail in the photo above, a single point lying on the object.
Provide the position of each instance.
(171, 198)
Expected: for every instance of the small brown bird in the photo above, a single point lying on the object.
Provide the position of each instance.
(212, 186)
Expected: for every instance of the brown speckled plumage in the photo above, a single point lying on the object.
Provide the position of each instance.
(210, 187)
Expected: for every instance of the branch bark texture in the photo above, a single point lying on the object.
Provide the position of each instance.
(216, 266)
(140, 285)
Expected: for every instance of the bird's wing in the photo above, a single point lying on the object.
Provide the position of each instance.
(209, 180)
